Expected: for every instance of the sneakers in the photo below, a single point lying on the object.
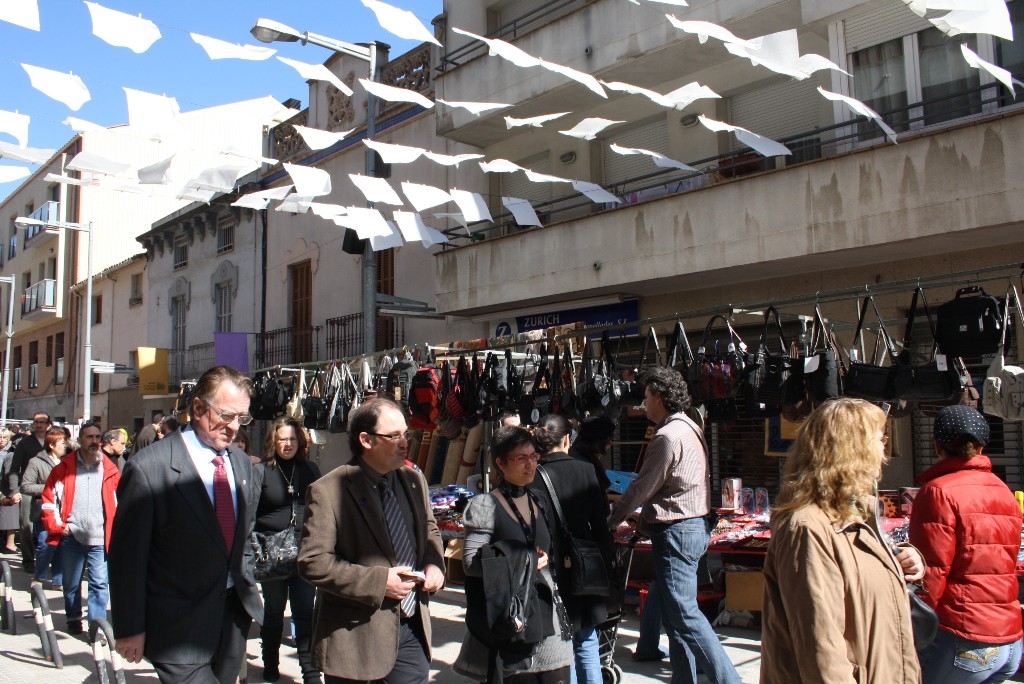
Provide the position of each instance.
(74, 627)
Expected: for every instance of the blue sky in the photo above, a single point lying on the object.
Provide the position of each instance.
(175, 65)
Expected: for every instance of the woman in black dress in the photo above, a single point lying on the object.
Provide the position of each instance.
(285, 472)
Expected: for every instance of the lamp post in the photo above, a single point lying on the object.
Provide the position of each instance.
(270, 31)
(10, 280)
(86, 228)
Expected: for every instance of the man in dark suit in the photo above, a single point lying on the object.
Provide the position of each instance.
(181, 589)
(368, 530)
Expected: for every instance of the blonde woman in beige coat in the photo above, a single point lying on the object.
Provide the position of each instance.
(835, 602)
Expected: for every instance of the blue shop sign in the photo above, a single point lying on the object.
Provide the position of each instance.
(591, 317)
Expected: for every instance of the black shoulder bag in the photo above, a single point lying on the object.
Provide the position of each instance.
(584, 558)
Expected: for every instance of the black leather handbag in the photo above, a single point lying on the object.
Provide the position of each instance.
(869, 380)
(970, 324)
(923, 620)
(586, 562)
(275, 553)
(927, 381)
(767, 379)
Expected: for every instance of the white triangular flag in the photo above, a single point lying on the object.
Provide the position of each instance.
(651, 95)
(474, 108)
(507, 51)
(379, 243)
(450, 159)
(9, 174)
(376, 189)
(156, 174)
(260, 199)
(423, 197)
(589, 128)
(95, 163)
(691, 92)
(535, 121)
(16, 125)
(122, 30)
(987, 16)
(434, 237)
(400, 22)
(316, 72)
(32, 155)
(580, 77)
(222, 49)
(317, 139)
(154, 116)
(595, 193)
(705, 29)
(536, 177)
(23, 13)
(66, 88)
(659, 160)
(764, 146)
(1000, 74)
(454, 216)
(366, 222)
(500, 166)
(67, 180)
(411, 224)
(394, 154)
(860, 108)
(196, 195)
(472, 205)
(393, 94)
(308, 181)
(218, 178)
(81, 125)
(522, 211)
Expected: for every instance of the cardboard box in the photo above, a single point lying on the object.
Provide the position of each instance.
(453, 570)
(744, 590)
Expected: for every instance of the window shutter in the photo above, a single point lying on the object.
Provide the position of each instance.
(883, 24)
(518, 185)
(651, 135)
(778, 110)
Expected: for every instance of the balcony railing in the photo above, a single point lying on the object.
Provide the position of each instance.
(819, 143)
(190, 363)
(48, 213)
(40, 296)
(297, 344)
(345, 335)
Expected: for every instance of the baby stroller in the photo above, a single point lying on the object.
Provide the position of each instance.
(608, 631)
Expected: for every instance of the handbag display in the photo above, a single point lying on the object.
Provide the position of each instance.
(1003, 393)
(969, 325)
(584, 558)
(715, 375)
(314, 408)
(275, 553)
(823, 369)
(294, 406)
(767, 379)
(868, 380)
(937, 380)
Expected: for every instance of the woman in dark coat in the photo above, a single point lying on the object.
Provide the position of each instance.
(585, 506)
(285, 472)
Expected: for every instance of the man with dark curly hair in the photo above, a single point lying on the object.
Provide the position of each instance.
(673, 493)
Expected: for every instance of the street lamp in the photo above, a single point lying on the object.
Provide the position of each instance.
(25, 222)
(7, 357)
(269, 31)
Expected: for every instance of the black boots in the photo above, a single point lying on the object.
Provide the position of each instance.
(271, 658)
(309, 675)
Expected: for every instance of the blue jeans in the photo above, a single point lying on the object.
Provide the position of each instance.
(275, 594)
(649, 643)
(588, 658)
(676, 551)
(76, 556)
(953, 660)
(49, 559)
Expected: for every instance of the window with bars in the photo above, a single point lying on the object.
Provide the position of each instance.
(180, 252)
(58, 356)
(385, 285)
(301, 277)
(225, 234)
(223, 305)
(16, 366)
(178, 312)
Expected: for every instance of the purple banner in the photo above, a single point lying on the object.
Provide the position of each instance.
(231, 349)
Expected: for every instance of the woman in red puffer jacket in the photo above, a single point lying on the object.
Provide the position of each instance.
(967, 524)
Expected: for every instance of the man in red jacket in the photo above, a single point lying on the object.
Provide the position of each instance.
(967, 525)
(79, 501)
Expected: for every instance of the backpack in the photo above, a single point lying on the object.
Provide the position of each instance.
(424, 398)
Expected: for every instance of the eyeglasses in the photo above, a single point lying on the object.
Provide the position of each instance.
(288, 440)
(242, 418)
(392, 438)
(521, 459)
(40, 422)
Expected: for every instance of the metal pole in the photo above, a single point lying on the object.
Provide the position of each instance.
(369, 266)
(87, 370)
(7, 357)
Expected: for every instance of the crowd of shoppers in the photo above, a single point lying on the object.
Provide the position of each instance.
(835, 603)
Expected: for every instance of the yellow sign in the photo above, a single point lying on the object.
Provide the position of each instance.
(152, 370)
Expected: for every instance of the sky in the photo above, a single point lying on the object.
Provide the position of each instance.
(175, 65)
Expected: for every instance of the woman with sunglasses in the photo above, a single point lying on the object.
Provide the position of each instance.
(510, 522)
(284, 474)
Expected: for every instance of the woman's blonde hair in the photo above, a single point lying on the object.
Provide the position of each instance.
(834, 460)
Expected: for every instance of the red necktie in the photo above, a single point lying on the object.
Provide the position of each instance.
(222, 503)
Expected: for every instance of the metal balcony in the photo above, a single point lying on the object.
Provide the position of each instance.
(36, 236)
(39, 300)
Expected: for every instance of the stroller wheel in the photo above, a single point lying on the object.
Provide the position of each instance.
(611, 674)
